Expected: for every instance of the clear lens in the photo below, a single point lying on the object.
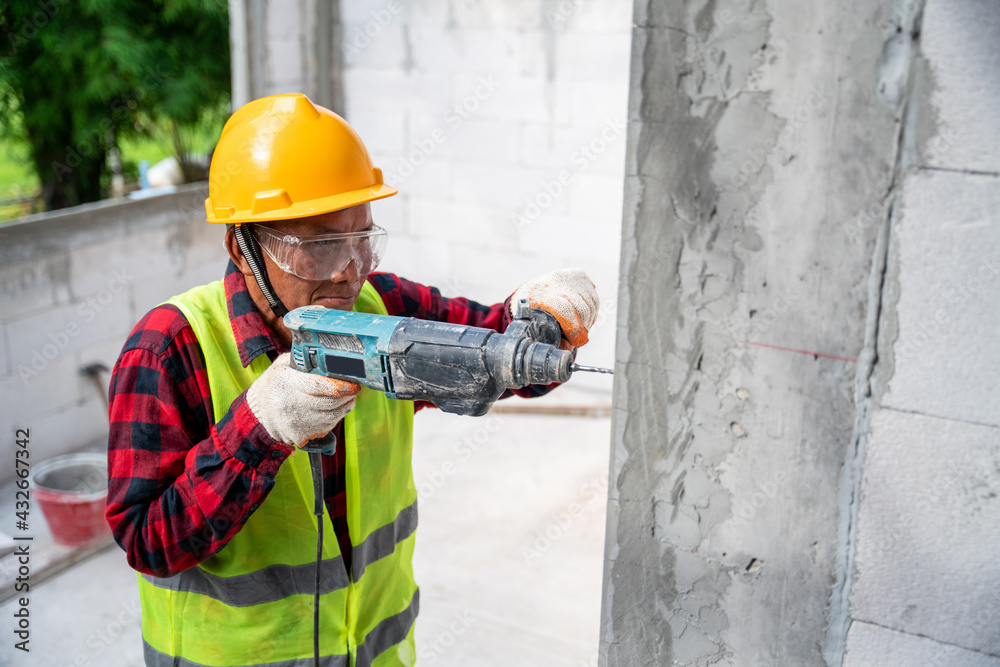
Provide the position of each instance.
(323, 256)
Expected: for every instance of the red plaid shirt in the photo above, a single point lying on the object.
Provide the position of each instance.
(180, 486)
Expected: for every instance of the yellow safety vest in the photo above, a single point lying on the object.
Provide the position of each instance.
(252, 602)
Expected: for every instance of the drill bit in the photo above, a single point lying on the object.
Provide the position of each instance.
(591, 369)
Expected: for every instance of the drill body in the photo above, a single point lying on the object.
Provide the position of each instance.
(459, 368)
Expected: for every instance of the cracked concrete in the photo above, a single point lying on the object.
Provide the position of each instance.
(755, 132)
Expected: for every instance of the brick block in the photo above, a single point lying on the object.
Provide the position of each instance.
(369, 13)
(929, 529)
(33, 389)
(50, 333)
(597, 198)
(145, 254)
(508, 188)
(535, 50)
(150, 292)
(376, 44)
(421, 260)
(418, 175)
(367, 88)
(512, 98)
(491, 275)
(597, 148)
(597, 103)
(447, 222)
(958, 39)
(34, 285)
(949, 270)
(362, 12)
(594, 241)
(605, 58)
(382, 131)
(103, 315)
(494, 142)
(591, 16)
(206, 244)
(56, 333)
(93, 267)
(511, 15)
(390, 214)
(481, 51)
(105, 352)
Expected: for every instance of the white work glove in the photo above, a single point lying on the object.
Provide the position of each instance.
(569, 296)
(296, 407)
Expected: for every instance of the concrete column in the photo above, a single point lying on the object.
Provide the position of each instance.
(281, 47)
(746, 315)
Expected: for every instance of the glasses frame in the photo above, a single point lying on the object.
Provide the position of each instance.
(291, 240)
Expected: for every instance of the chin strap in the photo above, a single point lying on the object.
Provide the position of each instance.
(251, 253)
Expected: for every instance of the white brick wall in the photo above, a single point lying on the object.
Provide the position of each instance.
(495, 100)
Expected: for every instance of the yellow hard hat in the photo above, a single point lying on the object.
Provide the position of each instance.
(283, 157)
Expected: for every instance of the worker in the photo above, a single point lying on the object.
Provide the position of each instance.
(210, 493)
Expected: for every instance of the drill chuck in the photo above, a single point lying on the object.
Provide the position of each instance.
(541, 363)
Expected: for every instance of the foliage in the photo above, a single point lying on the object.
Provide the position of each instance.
(77, 77)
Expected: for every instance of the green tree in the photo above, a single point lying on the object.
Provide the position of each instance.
(83, 73)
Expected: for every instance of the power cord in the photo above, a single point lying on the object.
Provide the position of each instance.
(316, 463)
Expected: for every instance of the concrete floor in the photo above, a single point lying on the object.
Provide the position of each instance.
(509, 553)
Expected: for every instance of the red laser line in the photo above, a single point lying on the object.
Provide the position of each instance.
(791, 349)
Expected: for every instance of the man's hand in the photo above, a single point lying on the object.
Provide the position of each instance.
(296, 407)
(570, 296)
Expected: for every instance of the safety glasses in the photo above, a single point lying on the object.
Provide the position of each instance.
(322, 256)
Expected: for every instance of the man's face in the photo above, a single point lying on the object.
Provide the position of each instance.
(342, 289)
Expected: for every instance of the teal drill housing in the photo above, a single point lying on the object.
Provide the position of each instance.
(460, 369)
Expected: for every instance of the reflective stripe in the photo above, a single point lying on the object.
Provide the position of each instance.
(382, 541)
(156, 659)
(270, 584)
(388, 633)
(383, 637)
(276, 582)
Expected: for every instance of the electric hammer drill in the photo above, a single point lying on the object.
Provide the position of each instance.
(460, 369)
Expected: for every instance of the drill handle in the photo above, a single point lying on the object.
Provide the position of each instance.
(541, 325)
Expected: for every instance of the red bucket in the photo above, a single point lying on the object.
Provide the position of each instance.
(72, 491)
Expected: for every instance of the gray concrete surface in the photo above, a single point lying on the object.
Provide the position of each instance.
(927, 515)
(756, 131)
(508, 553)
(929, 530)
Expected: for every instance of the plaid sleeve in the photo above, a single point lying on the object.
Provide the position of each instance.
(405, 298)
(179, 487)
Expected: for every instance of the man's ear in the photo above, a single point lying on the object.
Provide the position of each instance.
(234, 253)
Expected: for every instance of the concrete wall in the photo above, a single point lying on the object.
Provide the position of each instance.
(926, 580)
(755, 132)
(806, 454)
(73, 283)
